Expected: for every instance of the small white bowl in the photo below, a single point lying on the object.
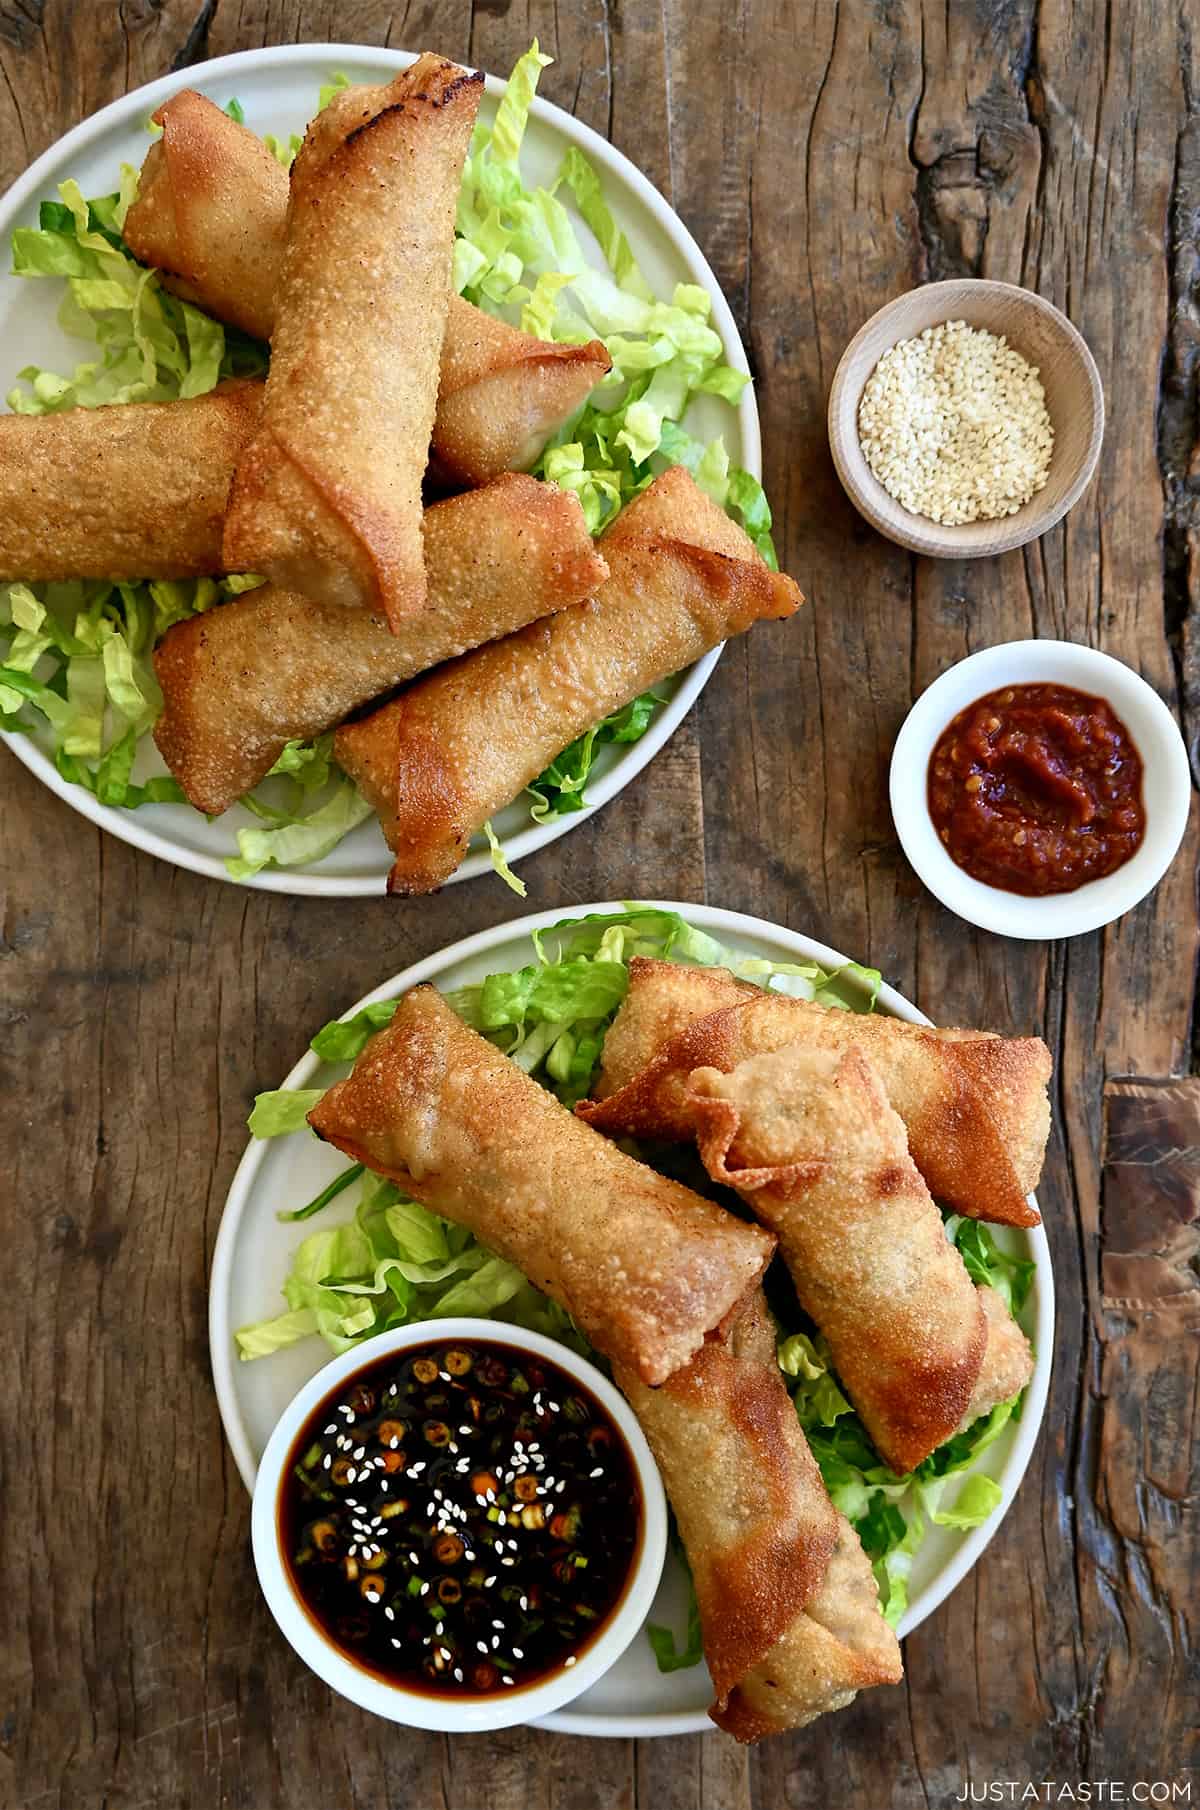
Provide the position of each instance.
(1166, 787)
(524, 1703)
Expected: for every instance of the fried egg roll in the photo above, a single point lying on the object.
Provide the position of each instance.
(456, 747)
(272, 666)
(975, 1105)
(131, 490)
(644, 1266)
(810, 1142)
(211, 213)
(502, 393)
(326, 499)
(789, 1610)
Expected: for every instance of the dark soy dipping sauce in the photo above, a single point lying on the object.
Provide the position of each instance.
(460, 1519)
(1037, 789)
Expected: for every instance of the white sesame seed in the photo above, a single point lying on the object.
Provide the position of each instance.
(954, 425)
(570, 1659)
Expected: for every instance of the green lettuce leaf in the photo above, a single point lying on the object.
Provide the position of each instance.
(671, 1654)
(890, 1513)
(297, 839)
(152, 346)
(392, 1263)
(499, 862)
(343, 1040)
(283, 1110)
(986, 1263)
(561, 788)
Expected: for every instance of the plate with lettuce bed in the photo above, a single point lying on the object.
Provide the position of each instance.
(306, 1239)
(83, 324)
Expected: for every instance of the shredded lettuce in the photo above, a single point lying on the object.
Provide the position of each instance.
(521, 248)
(890, 1512)
(499, 862)
(79, 655)
(152, 346)
(560, 788)
(281, 1111)
(672, 1654)
(395, 1262)
(296, 838)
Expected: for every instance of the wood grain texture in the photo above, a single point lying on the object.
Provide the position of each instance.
(827, 156)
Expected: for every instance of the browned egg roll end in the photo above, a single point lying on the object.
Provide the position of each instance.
(789, 1610)
(210, 213)
(838, 1646)
(663, 998)
(975, 1105)
(502, 393)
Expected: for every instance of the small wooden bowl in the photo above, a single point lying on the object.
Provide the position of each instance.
(1074, 401)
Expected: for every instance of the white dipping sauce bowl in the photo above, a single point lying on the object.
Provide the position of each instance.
(455, 1715)
(1166, 787)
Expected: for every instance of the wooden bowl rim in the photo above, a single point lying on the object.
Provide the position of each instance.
(965, 540)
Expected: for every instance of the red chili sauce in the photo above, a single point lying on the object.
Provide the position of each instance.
(1037, 789)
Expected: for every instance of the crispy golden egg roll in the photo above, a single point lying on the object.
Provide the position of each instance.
(326, 499)
(502, 393)
(810, 1142)
(455, 748)
(271, 667)
(975, 1105)
(131, 490)
(210, 214)
(644, 1266)
(789, 1610)
(663, 999)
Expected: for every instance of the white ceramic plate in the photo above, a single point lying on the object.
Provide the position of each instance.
(252, 1257)
(278, 90)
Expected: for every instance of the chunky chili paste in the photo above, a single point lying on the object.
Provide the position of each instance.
(460, 1518)
(1037, 789)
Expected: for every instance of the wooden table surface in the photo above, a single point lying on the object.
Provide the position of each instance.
(826, 157)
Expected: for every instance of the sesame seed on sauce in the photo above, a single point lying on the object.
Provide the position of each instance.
(512, 1553)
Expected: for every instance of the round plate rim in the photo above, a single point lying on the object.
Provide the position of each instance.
(632, 758)
(727, 924)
